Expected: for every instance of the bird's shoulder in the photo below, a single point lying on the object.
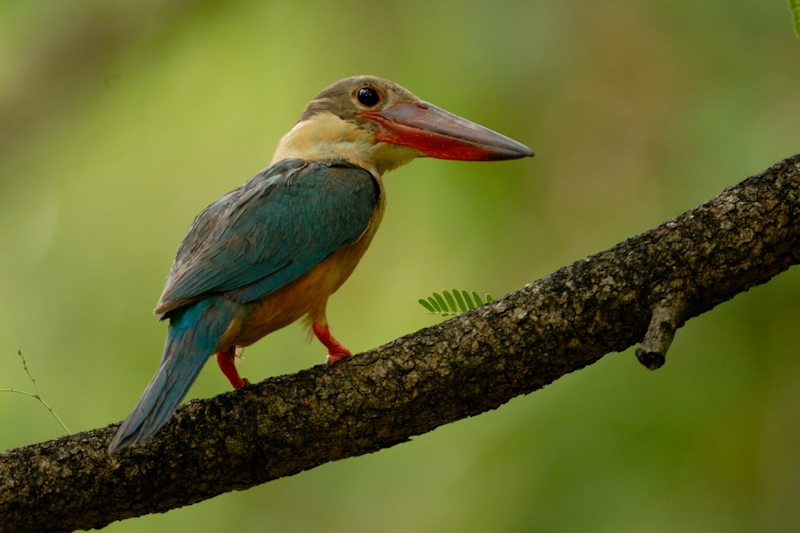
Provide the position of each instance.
(271, 230)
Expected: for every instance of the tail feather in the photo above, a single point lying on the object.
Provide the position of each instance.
(194, 332)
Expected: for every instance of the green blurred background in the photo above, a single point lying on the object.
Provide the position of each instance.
(120, 121)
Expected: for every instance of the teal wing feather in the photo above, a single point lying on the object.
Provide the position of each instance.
(272, 230)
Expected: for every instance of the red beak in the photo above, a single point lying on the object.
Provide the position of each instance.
(438, 133)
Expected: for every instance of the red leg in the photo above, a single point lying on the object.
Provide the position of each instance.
(227, 363)
(336, 352)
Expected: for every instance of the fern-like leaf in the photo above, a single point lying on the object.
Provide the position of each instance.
(477, 299)
(440, 301)
(468, 300)
(461, 304)
(426, 305)
(452, 302)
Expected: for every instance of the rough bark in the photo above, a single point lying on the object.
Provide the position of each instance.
(643, 289)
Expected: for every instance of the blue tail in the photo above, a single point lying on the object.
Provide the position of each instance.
(194, 332)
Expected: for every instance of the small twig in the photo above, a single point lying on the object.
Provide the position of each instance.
(666, 318)
(36, 393)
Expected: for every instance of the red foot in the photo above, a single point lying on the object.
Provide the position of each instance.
(227, 363)
(336, 352)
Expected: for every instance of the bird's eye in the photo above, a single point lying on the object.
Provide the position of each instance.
(368, 97)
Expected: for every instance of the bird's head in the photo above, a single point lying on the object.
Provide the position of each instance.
(379, 125)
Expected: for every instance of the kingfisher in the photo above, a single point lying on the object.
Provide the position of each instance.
(274, 250)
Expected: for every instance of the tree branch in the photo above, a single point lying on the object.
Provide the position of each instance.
(644, 288)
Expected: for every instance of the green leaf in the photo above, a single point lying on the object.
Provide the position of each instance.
(461, 305)
(468, 300)
(794, 5)
(426, 305)
(450, 301)
(440, 301)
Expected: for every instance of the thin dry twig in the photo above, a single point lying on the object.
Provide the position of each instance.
(36, 394)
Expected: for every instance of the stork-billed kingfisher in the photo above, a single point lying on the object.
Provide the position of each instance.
(275, 249)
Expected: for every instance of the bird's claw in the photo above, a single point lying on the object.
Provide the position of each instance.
(334, 358)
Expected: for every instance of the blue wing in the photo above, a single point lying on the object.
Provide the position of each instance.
(270, 231)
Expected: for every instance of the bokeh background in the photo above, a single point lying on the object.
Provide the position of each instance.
(120, 121)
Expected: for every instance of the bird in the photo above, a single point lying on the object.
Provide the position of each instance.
(274, 250)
